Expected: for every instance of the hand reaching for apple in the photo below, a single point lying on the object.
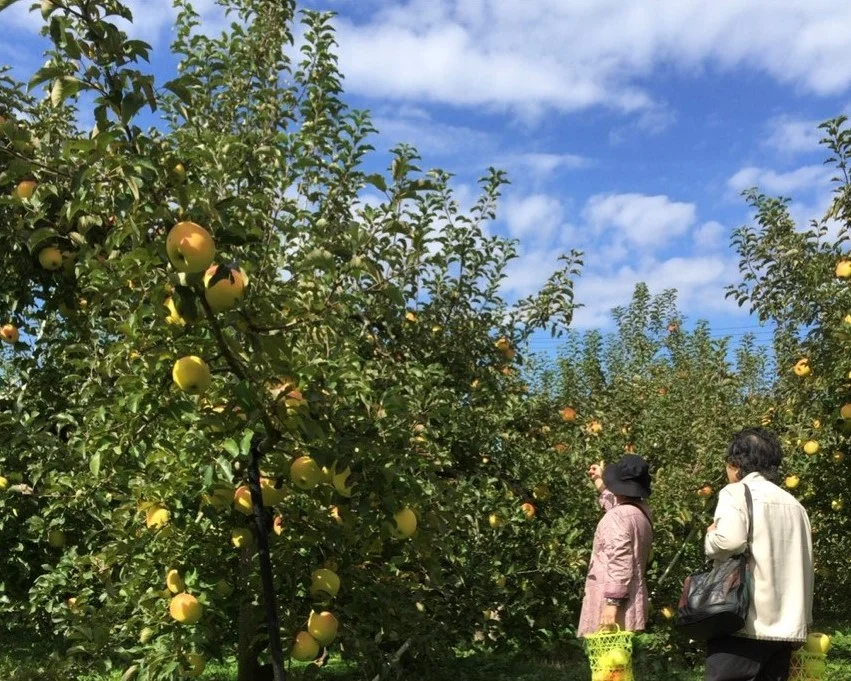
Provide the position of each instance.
(595, 471)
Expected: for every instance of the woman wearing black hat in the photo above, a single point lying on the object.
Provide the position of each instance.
(616, 586)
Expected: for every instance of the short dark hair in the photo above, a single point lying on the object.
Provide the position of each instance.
(756, 450)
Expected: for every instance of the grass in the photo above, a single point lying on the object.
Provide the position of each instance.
(21, 662)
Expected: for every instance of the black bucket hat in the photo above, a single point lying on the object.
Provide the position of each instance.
(629, 477)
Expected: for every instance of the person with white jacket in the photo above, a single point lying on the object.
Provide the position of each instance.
(781, 563)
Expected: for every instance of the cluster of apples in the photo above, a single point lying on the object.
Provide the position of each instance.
(322, 626)
(183, 608)
(191, 251)
(802, 369)
(809, 663)
(613, 665)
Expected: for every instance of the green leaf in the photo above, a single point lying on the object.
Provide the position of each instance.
(245, 445)
(178, 87)
(376, 181)
(231, 447)
(130, 107)
(39, 237)
(57, 92)
(43, 75)
(6, 3)
(94, 464)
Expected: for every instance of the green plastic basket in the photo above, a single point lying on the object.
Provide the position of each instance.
(610, 655)
(807, 666)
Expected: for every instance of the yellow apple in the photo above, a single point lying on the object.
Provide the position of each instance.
(541, 491)
(843, 269)
(185, 608)
(156, 516)
(50, 258)
(272, 495)
(668, 612)
(705, 491)
(323, 627)
(568, 414)
(324, 583)
(504, 347)
(802, 368)
(305, 473)
(616, 658)
(224, 287)
(411, 317)
(494, 521)
(305, 648)
(278, 525)
(174, 316)
(814, 668)
(221, 496)
(839, 457)
(242, 500)
(595, 427)
(528, 509)
(196, 664)
(174, 582)
(241, 537)
(191, 374)
(56, 538)
(792, 481)
(4, 483)
(845, 411)
(9, 334)
(818, 644)
(339, 482)
(190, 247)
(24, 189)
(811, 447)
(406, 523)
(837, 504)
(179, 172)
(223, 588)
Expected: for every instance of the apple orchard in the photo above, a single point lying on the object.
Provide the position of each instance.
(185, 296)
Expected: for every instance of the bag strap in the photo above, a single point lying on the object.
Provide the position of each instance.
(749, 503)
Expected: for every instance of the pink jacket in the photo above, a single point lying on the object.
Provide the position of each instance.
(619, 559)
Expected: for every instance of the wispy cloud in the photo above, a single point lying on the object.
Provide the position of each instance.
(789, 135)
(639, 219)
(774, 182)
(574, 55)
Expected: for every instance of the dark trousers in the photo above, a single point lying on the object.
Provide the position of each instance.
(733, 658)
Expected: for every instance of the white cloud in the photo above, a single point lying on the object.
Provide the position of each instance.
(710, 236)
(543, 164)
(790, 135)
(773, 182)
(639, 219)
(414, 126)
(533, 218)
(573, 55)
(526, 274)
(699, 281)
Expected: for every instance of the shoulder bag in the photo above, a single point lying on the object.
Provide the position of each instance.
(716, 603)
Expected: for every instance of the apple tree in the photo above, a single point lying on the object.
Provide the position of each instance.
(217, 353)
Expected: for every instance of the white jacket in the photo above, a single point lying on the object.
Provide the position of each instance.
(781, 556)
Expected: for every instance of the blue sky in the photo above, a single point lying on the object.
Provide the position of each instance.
(628, 128)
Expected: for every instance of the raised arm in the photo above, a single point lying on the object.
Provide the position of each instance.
(728, 535)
